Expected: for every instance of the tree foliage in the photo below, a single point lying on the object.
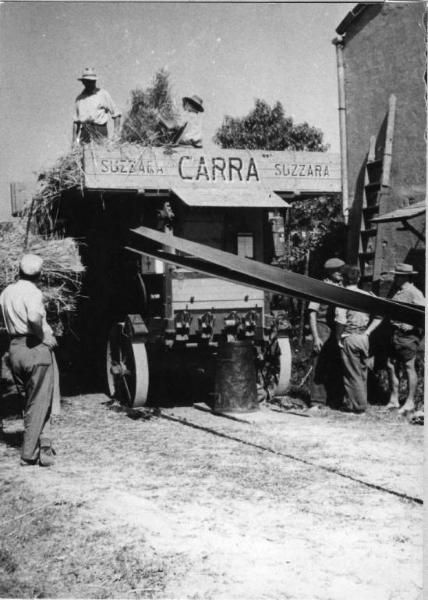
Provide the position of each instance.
(314, 226)
(268, 128)
(141, 123)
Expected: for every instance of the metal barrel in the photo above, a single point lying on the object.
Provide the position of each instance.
(235, 378)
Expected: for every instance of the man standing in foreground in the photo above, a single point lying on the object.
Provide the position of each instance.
(353, 329)
(405, 340)
(31, 358)
(93, 107)
(326, 366)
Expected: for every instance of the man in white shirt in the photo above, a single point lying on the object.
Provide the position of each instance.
(93, 107)
(353, 329)
(31, 358)
(405, 340)
(188, 131)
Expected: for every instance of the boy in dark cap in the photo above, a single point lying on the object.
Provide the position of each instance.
(326, 372)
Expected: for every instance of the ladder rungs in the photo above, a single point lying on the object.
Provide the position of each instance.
(373, 186)
(371, 209)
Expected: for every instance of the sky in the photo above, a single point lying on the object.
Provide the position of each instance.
(229, 54)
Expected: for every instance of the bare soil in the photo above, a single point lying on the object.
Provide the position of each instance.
(187, 504)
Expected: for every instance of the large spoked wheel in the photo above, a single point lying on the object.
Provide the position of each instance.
(274, 370)
(284, 372)
(127, 368)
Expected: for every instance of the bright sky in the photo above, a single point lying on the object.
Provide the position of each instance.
(228, 54)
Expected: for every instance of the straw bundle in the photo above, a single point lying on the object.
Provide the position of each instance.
(62, 267)
(66, 174)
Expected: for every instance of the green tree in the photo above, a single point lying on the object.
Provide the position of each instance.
(141, 123)
(267, 128)
(314, 225)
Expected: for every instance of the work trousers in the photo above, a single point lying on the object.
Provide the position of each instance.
(355, 355)
(33, 372)
(326, 383)
(92, 131)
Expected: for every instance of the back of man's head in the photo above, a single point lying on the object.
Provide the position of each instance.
(351, 274)
(30, 267)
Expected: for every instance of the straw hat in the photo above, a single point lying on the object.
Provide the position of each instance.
(403, 269)
(31, 264)
(333, 263)
(195, 101)
(88, 73)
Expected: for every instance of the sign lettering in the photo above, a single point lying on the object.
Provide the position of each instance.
(127, 166)
(142, 167)
(306, 170)
(218, 168)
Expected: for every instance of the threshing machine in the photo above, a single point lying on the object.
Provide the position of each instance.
(178, 246)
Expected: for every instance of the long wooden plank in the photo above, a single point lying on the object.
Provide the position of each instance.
(234, 268)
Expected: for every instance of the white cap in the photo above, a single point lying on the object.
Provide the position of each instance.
(31, 264)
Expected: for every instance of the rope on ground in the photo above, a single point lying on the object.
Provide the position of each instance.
(22, 515)
(332, 470)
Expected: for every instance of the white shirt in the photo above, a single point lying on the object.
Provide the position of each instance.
(193, 131)
(17, 302)
(354, 321)
(410, 294)
(95, 107)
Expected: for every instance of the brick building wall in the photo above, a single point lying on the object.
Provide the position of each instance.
(384, 54)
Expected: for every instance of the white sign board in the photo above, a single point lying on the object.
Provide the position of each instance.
(134, 167)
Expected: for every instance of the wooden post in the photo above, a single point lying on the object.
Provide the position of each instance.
(387, 154)
(339, 43)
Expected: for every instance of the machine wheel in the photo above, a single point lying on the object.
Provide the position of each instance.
(284, 373)
(127, 368)
(274, 368)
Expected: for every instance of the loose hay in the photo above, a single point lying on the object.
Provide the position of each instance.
(66, 174)
(62, 268)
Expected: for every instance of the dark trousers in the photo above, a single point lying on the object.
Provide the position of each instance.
(92, 131)
(32, 369)
(326, 383)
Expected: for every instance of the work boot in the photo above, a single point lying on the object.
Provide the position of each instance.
(46, 457)
(27, 463)
(317, 410)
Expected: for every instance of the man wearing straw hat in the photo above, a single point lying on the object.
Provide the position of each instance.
(188, 132)
(31, 359)
(93, 107)
(405, 340)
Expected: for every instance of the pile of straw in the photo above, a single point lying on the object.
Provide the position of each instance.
(65, 174)
(62, 267)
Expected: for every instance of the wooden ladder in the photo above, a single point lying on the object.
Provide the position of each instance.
(376, 195)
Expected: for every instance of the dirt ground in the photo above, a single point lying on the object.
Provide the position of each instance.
(188, 504)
